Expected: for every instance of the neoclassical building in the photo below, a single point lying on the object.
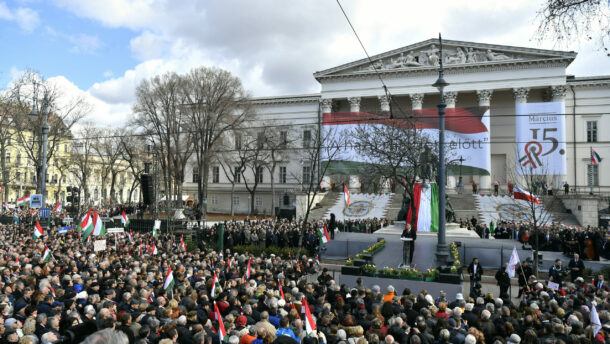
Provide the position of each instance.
(488, 76)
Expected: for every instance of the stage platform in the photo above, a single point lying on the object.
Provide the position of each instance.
(491, 253)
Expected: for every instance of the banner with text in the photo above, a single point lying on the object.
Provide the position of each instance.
(466, 133)
(540, 134)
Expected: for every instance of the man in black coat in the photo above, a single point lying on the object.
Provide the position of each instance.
(503, 281)
(524, 271)
(576, 267)
(409, 232)
(557, 272)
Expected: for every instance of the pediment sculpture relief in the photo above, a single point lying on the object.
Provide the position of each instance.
(431, 57)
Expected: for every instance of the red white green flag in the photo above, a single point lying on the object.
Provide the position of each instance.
(182, 244)
(38, 232)
(346, 195)
(124, 219)
(323, 235)
(169, 280)
(310, 325)
(215, 284)
(221, 327)
(46, 254)
(23, 201)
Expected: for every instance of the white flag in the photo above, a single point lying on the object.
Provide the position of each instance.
(512, 263)
(595, 323)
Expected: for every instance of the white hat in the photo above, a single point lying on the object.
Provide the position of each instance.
(459, 296)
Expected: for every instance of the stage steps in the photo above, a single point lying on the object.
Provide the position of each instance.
(560, 213)
(318, 211)
(463, 205)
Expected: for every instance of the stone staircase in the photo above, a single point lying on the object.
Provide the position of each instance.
(394, 206)
(319, 210)
(560, 213)
(463, 205)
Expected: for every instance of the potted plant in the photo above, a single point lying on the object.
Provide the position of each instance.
(369, 269)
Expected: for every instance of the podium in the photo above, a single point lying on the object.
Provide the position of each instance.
(406, 252)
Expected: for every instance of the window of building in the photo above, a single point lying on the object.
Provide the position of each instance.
(195, 174)
(235, 200)
(65, 148)
(237, 141)
(215, 174)
(258, 201)
(18, 176)
(282, 174)
(8, 158)
(259, 174)
(306, 174)
(306, 138)
(591, 131)
(237, 175)
(18, 158)
(286, 199)
(63, 179)
(214, 200)
(283, 138)
(592, 175)
(260, 140)
(54, 179)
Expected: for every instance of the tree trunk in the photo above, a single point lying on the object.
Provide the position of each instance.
(231, 200)
(273, 191)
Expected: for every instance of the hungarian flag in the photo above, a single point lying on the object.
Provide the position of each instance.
(182, 244)
(130, 235)
(248, 271)
(5, 207)
(310, 326)
(279, 285)
(524, 195)
(23, 201)
(169, 280)
(346, 195)
(215, 284)
(52, 290)
(154, 249)
(425, 200)
(221, 327)
(38, 232)
(323, 235)
(595, 158)
(124, 219)
(98, 226)
(46, 254)
(57, 207)
(156, 228)
(86, 225)
(17, 261)
(318, 260)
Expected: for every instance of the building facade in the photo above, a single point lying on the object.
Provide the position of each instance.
(491, 76)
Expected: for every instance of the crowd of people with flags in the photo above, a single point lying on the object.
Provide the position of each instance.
(146, 287)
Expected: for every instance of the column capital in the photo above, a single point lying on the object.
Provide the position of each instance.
(559, 92)
(484, 97)
(384, 102)
(449, 98)
(521, 94)
(327, 105)
(417, 99)
(354, 104)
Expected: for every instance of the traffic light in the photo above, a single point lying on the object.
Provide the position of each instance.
(75, 196)
(69, 194)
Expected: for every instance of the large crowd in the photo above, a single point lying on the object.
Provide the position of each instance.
(58, 289)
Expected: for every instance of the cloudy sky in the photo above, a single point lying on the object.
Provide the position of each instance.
(103, 49)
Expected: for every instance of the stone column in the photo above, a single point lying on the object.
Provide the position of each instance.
(450, 98)
(327, 105)
(354, 104)
(384, 102)
(417, 99)
(520, 94)
(559, 94)
(484, 97)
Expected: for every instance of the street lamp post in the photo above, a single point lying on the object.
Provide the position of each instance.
(442, 252)
(460, 181)
(45, 137)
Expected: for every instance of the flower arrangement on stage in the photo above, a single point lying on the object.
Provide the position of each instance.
(349, 262)
(454, 269)
(454, 251)
(431, 274)
(390, 272)
(369, 269)
(376, 247)
(411, 273)
(457, 263)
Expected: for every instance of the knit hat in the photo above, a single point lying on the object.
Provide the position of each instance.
(514, 339)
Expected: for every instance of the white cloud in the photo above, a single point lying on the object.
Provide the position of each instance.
(26, 18)
(84, 44)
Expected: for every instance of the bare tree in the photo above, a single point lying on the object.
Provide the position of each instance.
(7, 133)
(567, 20)
(108, 147)
(160, 112)
(321, 148)
(278, 144)
(255, 157)
(217, 104)
(82, 157)
(232, 164)
(538, 208)
(133, 153)
(396, 150)
(32, 91)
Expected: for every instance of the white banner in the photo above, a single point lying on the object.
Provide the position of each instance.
(541, 147)
(115, 230)
(99, 245)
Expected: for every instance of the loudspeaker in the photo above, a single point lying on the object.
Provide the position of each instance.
(147, 189)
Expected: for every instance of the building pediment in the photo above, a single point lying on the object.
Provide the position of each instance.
(456, 54)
